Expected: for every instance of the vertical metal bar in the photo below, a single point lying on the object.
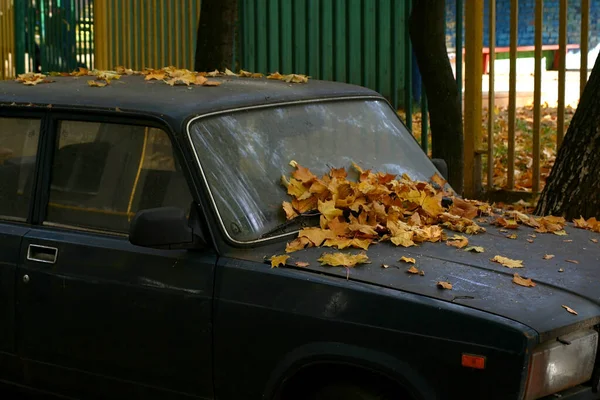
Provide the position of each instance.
(512, 92)
(177, 26)
(393, 64)
(537, 94)
(491, 93)
(424, 123)
(562, 57)
(407, 66)
(155, 33)
(473, 96)
(459, 48)
(585, 27)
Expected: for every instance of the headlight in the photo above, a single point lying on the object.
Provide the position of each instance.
(557, 366)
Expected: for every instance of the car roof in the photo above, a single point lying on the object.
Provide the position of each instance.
(173, 103)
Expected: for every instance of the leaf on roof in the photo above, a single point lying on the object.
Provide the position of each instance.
(475, 249)
(407, 259)
(457, 241)
(519, 280)
(507, 262)
(444, 285)
(413, 270)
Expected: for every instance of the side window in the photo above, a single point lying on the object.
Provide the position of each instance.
(103, 173)
(18, 149)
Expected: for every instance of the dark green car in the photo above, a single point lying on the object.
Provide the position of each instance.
(136, 218)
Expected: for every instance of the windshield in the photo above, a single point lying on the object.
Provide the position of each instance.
(243, 154)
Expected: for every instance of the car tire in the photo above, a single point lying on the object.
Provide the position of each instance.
(350, 391)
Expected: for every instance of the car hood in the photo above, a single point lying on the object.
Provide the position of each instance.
(485, 285)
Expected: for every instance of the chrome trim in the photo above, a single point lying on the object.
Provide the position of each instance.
(234, 110)
(30, 258)
(79, 228)
(8, 218)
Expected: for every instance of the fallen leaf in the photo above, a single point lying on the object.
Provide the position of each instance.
(560, 233)
(548, 256)
(343, 259)
(594, 240)
(316, 235)
(567, 240)
(97, 83)
(407, 259)
(522, 281)
(457, 241)
(573, 261)
(475, 249)
(502, 230)
(561, 270)
(385, 265)
(302, 264)
(513, 236)
(212, 83)
(507, 262)
(569, 309)
(228, 72)
(533, 235)
(298, 244)
(276, 261)
(508, 224)
(530, 240)
(444, 285)
(413, 270)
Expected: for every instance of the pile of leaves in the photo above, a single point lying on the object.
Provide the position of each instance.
(170, 75)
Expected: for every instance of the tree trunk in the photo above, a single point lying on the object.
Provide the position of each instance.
(573, 187)
(428, 36)
(216, 35)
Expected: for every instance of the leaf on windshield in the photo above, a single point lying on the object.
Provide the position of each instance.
(457, 241)
(507, 262)
(569, 309)
(316, 235)
(519, 280)
(343, 259)
(289, 210)
(475, 249)
(444, 285)
(276, 261)
(407, 259)
(548, 256)
(302, 174)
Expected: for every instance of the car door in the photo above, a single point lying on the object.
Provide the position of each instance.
(98, 316)
(19, 138)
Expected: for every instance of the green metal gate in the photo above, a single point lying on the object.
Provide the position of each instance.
(356, 41)
(54, 35)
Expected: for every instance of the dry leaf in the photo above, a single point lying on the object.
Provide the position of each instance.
(573, 261)
(343, 259)
(97, 83)
(594, 240)
(548, 256)
(413, 270)
(475, 249)
(444, 285)
(569, 309)
(560, 233)
(513, 236)
(276, 261)
(316, 235)
(407, 259)
(522, 281)
(561, 270)
(301, 264)
(507, 262)
(228, 72)
(457, 241)
(567, 240)
(533, 235)
(298, 244)
(385, 265)
(530, 240)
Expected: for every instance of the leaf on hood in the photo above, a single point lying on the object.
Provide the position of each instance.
(343, 259)
(436, 178)
(475, 249)
(594, 240)
(573, 261)
(408, 260)
(316, 235)
(289, 210)
(97, 83)
(507, 224)
(529, 240)
(301, 264)
(298, 244)
(562, 232)
(444, 285)
(457, 241)
(580, 223)
(342, 243)
(413, 270)
(32, 78)
(211, 83)
(463, 208)
(512, 236)
(519, 280)
(385, 266)
(561, 270)
(507, 262)
(327, 209)
(228, 72)
(548, 256)
(569, 309)
(276, 261)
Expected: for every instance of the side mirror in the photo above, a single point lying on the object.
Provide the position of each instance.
(164, 228)
(441, 166)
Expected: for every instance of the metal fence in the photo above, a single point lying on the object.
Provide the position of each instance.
(145, 33)
(7, 42)
(474, 145)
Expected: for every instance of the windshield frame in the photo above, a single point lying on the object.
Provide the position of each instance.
(213, 202)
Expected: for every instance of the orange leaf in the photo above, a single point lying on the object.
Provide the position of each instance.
(548, 256)
(457, 241)
(444, 285)
(413, 270)
(289, 210)
(276, 261)
(522, 281)
(407, 259)
(569, 309)
(507, 262)
(298, 244)
(573, 261)
(343, 259)
(301, 264)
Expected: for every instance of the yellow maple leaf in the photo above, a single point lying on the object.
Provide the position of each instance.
(316, 235)
(289, 210)
(343, 259)
(298, 244)
(507, 262)
(457, 241)
(407, 259)
(519, 280)
(328, 210)
(276, 261)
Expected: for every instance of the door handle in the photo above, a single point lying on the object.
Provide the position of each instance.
(43, 254)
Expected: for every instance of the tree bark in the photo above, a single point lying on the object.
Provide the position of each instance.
(428, 36)
(573, 187)
(216, 35)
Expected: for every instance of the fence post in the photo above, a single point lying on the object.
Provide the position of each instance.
(19, 35)
(473, 98)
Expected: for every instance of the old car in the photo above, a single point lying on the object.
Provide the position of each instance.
(140, 218)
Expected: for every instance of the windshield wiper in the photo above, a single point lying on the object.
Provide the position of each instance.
(298, 219)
